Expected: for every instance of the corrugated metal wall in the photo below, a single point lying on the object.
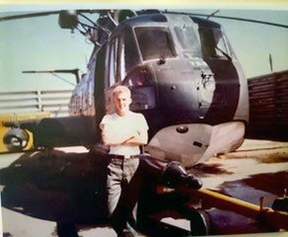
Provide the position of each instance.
(268, 96)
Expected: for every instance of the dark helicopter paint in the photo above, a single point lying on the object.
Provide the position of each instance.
(166, 83)
(170, 89)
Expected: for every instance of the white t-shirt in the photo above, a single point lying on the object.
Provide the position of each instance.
(123, 128)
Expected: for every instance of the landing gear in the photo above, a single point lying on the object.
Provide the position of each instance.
(16, 140)
(175, 175)
(199, 223)
(66, 229)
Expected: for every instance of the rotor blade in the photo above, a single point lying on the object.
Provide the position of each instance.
(29, 15)
(242, 19)
(39, 14)
(231, 18)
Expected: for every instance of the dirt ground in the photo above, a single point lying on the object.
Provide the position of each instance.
(257, 169)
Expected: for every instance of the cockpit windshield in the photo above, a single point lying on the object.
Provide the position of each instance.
(188, 41)
(155, 42)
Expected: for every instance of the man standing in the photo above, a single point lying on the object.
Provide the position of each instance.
(123, 131)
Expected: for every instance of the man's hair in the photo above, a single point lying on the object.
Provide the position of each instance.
(122, 89)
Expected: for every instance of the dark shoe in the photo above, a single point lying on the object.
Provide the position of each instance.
(280, 204)
(126, 233)
(66, 229)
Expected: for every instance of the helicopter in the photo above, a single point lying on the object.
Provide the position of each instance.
(186, 125)
(194, 97)
(188, 84)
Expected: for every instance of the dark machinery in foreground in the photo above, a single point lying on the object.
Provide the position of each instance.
(69, 188)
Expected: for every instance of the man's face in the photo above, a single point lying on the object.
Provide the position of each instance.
(122, 101)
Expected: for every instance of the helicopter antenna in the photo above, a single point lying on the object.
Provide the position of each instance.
(96, 26)
(213, 14)
(270, 62)
(73, 71)
(111, 18)
(61, 78)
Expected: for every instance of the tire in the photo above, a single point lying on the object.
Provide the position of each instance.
(199, 223)
(16, 139)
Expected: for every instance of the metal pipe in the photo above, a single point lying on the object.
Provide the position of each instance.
(214, 199)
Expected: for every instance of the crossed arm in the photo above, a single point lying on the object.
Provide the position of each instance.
(109, 137)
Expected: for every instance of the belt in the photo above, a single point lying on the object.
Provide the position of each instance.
(123, 157)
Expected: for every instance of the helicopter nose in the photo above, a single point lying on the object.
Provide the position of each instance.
(178, 98)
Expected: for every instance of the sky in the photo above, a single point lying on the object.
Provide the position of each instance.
(40, 44)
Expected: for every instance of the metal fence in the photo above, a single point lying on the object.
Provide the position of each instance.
(268, 97)
(54, 102)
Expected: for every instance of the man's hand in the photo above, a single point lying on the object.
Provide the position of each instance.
(111, 137)
(140, 138)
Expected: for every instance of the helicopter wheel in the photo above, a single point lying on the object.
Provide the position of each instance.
(16, 140)
(199, 222)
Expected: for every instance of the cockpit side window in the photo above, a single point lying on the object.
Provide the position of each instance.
(142, 90)
(155, 42)
(139, 77)
(121, 70)
(214, 44)
(188, 41)
(113, 61)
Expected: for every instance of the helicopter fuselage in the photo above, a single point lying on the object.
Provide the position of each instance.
(184, 77)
